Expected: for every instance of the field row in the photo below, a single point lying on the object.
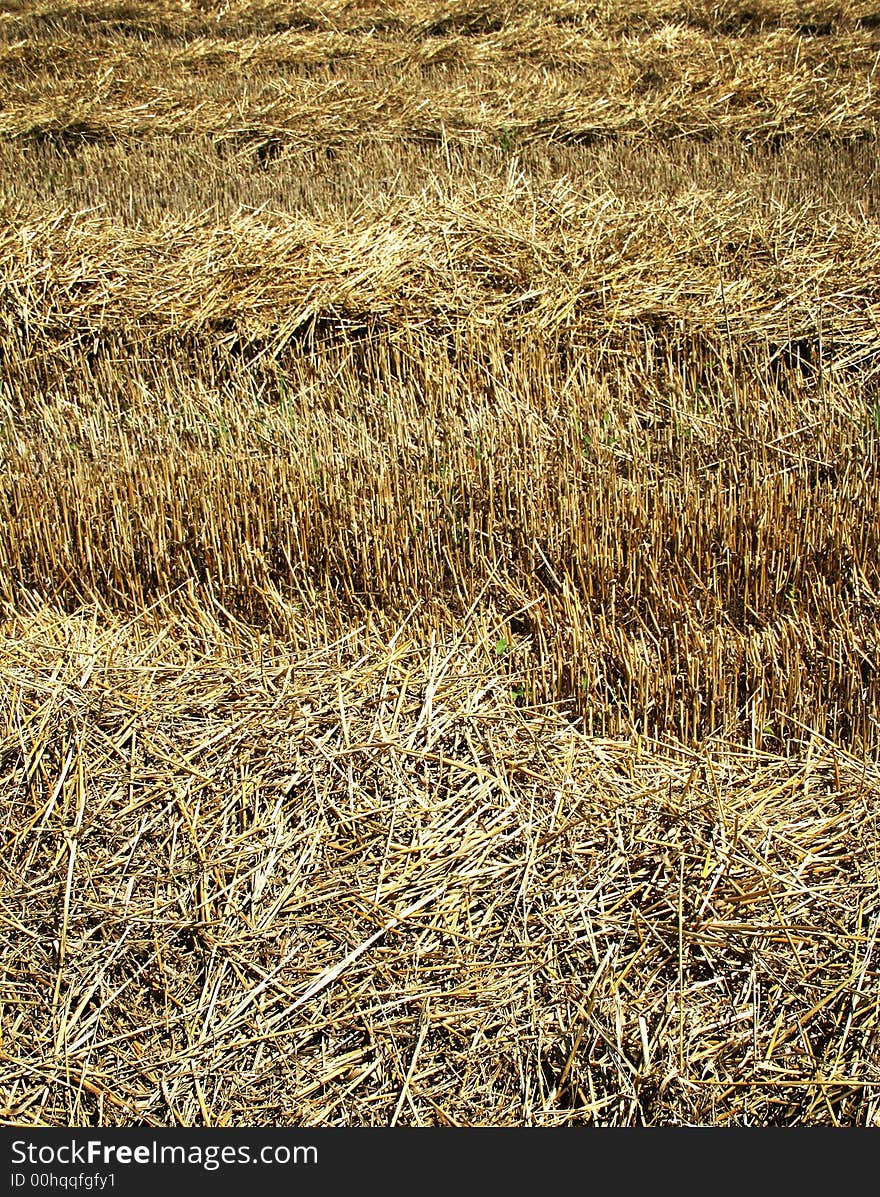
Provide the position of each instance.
(524, 78)
(761, 103)
(297, 876)
(247, 18)
(643, 434)
(152, 182)
(680, 555)
(597, 270)
(650, 60)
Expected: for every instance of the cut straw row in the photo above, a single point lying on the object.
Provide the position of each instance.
(357, 885)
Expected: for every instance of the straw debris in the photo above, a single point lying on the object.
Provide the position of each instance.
(360, 885)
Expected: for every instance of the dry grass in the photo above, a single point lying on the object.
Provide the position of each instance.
(601, 271)
(511, 400)
(439, 563)
(527, 82)
(355, 884)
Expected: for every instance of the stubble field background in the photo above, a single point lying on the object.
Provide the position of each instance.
(439, 538)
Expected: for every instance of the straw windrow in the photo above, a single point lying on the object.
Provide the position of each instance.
(356, 883)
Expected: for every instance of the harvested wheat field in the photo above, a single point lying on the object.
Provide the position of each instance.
(439, 563)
